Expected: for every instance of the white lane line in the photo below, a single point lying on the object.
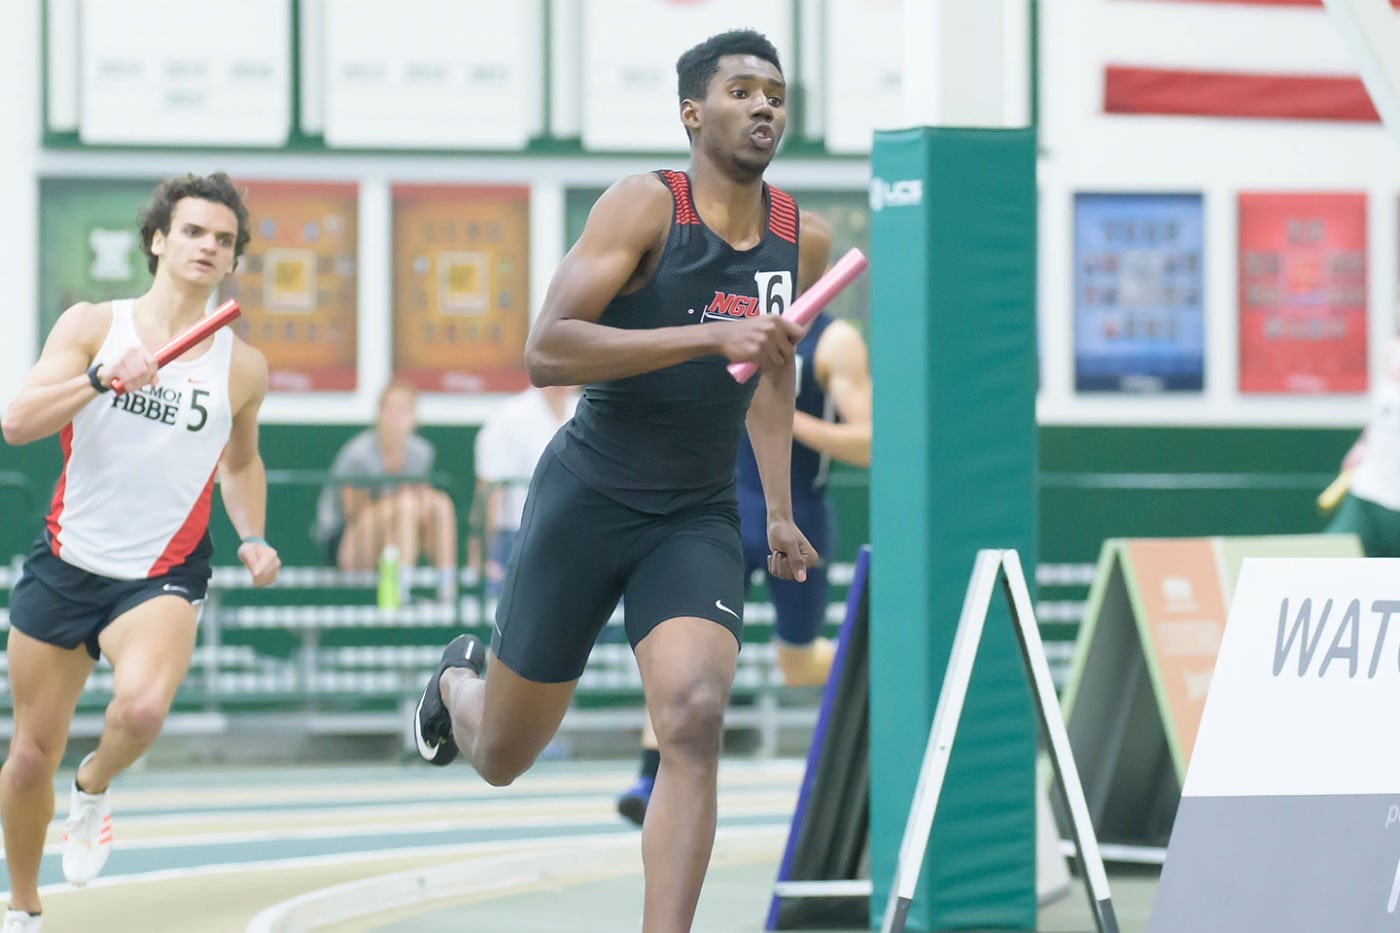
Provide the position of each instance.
(308, 861)
(569, 863)
(453, 850)
(593, 816)
(744, 799)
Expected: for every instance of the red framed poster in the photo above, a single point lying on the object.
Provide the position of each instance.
(461, 286)
(1302, 293)
(297, 283)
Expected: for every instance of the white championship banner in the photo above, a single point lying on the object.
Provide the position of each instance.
(1290, 815)
(433, 74)
(864, 80)
(173, 72)
(629, 57)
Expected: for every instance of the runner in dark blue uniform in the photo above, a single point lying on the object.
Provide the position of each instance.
(832, 422)
(675, 276)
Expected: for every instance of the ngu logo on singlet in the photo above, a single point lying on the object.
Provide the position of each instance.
(774, 297)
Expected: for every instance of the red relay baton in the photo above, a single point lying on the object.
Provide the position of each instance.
(223, 314)
(805, 308)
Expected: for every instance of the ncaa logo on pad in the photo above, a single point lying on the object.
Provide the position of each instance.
(906, 193)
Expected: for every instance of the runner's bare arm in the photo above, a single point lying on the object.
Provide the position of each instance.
(242, 476)
(841, 364)
(57, 387)
(770, 417)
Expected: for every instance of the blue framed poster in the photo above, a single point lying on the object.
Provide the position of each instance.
(1139, 322)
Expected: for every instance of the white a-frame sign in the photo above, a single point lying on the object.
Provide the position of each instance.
(1290, 815)
(990, 566)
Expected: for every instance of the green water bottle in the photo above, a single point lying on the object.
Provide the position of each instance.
(389, 578)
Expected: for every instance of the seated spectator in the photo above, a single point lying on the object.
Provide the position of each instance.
(379, 496)
(511, 442)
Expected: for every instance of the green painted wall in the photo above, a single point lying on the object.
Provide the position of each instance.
(1237, 481)
(1286, 466)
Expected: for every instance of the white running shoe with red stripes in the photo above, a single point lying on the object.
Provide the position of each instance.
(87, 834)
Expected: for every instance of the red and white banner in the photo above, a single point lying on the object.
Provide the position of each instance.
(1394, 3)
(1302, 292)
(1265, 59)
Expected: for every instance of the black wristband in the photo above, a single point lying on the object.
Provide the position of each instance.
(96, 383)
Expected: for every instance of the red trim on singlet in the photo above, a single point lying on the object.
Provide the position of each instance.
(189, 535)
(680, 190)
(782, 214)
(55, 518)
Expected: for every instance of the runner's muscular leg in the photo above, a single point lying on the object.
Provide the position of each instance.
(45, 682)
(501, 723)
(687, 667)
(150, 646)
(546, 624)
(806, 665)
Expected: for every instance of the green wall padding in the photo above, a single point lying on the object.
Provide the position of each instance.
(953, 343)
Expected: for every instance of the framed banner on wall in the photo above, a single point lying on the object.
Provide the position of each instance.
(1138, 293)
(864, 82)
(296, 283)
(224, 86)
(1302, 293)
(454, 74)
(89, 245)
(461, 293)
(628, 51)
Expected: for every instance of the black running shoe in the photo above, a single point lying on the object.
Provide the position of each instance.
(432, 723)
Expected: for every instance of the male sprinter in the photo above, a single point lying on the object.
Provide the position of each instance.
(676, 275)
(123, 561)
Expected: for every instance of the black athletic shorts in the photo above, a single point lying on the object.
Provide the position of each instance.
(579, 551)
(66, 606)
